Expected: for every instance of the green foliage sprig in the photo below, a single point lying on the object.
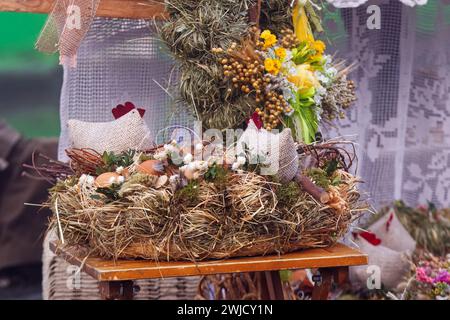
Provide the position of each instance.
(111, 193)
(325, 177)
(306, 115)
(112, 161)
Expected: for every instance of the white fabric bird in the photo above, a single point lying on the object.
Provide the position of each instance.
(127, 132)
(276, 151)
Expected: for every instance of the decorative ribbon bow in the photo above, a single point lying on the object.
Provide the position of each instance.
(66, 26)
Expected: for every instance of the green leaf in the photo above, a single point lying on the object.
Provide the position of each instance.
(305, 115)
(111, 161)
(307, 93)
(285, 275)
(301, 54)
(331, 167)
(319, 177)
(336, 181)
(111, 192)
(95, 197)
(211, 173)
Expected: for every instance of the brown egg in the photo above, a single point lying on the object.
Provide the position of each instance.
(188, 173)
(191, 174)
(106, 179)
(162, 180)
(151, 167)
(125, 172)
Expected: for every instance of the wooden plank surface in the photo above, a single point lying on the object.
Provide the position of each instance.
(108, 270)
(137, 9)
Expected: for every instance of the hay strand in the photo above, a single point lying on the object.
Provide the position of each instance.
(249, 215)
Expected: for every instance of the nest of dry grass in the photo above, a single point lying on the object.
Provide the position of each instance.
(247, 215)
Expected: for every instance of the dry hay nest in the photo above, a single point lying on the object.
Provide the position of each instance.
(245, 215)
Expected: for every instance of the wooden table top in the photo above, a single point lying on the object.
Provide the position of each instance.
(108, 270)
(136, 9)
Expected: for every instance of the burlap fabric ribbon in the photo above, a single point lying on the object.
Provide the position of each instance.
(66, 26)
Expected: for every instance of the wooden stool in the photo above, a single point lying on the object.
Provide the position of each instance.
(116, 277)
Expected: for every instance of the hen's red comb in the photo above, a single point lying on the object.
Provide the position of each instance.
(256, 120)
(123, 109)
(369, 237)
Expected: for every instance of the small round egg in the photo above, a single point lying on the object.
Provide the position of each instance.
(106, 179)
(151, 167)
(162, 181)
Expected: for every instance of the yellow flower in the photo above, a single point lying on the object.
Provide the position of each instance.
(280, 52)
(266, 34)
(269, 38)
(272, 66)
(304, 77)
(319, 46)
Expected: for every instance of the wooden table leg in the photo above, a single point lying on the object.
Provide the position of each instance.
(341, 275)
(338, 274)
(321, 291)
(271, 285)
(116, 290)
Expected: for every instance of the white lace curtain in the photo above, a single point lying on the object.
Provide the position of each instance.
(120, 60)
(402, 116)
(356, 3)
(401, 119)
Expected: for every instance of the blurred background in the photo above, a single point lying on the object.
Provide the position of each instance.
(30, 84)
(30, 81)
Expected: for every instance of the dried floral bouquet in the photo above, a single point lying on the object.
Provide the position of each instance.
(273, 66)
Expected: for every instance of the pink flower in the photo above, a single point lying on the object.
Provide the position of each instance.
(421, 275)
(442, 276)
(422, 208)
